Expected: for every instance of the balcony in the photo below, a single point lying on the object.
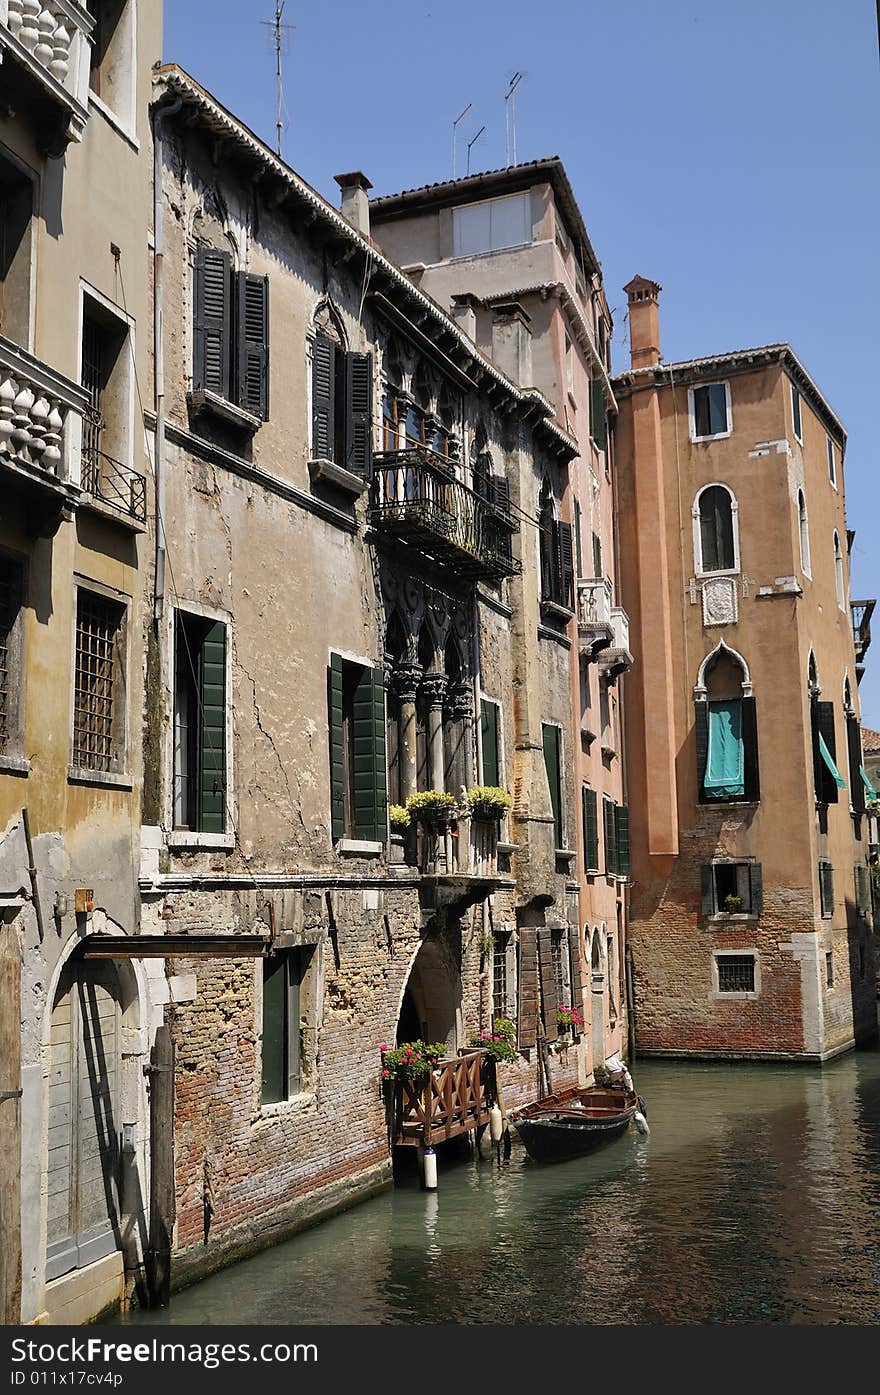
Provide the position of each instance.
(455, 1098)
(616, 659)
(117, 486)
(45, 60)
(595, 630)
(416, 499)
(458, 861)
(40, 424)
(861, 623)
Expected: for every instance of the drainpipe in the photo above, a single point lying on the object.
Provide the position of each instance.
(159, 354)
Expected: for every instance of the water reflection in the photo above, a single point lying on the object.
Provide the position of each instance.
(755, 1199)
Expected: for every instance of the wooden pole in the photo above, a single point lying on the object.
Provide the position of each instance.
(162, 1201)
(10, 1127)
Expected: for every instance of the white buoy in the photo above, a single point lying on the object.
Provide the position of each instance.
(641, 1122)
(496, 1124)
(429, 1163)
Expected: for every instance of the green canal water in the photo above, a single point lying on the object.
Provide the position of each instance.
(755, 1199)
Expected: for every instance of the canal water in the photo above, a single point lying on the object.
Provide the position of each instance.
(755, 1199)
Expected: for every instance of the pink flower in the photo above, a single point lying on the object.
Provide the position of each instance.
(383, 1047)
(386, 1074)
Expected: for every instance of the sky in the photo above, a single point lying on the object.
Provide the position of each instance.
(727, 150)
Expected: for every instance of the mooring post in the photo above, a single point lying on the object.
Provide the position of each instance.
(162, 1201)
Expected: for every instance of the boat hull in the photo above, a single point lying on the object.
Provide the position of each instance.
(574, 1123)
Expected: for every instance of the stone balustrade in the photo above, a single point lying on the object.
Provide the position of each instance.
(35, 404)
(55, 35)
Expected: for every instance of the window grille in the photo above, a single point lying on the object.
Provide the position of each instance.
(9, 603)
(556, 944)
(94, 382)
(736, 973)
(499, 976)
(97, 629)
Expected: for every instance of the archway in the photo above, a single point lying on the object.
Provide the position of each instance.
(597, 1000)
(430, 1008)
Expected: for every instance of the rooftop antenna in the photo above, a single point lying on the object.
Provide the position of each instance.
(459, 117)
(510, 117)
(278, 34)
(473, 142)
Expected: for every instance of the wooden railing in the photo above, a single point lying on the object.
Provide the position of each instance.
(455, 1098)
(463, 847)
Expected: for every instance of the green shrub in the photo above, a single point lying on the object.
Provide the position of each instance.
(488, 801)
(431, 804)
(398, 818)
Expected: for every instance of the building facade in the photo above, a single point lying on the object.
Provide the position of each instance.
(750, 920)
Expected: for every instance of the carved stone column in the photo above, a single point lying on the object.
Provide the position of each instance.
(434, 689)
(406, 682)
(461, 709)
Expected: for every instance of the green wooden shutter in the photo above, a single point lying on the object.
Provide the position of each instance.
(621, 830)
(707, 889)
(337, 758)
(826, 888)
(252, 325)
(597, 555)
(212, 729)
(751, 776)
(610, 831)
(829, 793)
(274, 1080)
(565, 566)
(323, 399)
(591, 829)
(578, 554)
(756, 888)
(489, 738)
(550, 736)
(547, 976)
(701, 714)
(370, 810)
(598, 419)
(818, 765)
(212, 339)
(574, 951)
(854, 748)
(359, 414)
(527, 987)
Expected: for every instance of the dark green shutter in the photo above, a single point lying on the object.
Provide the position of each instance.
(701, 714)
(565, 562)
(212, 729)
(756, 888)
(591, 830)
(597, 555)
(547, 975)
(610, 831)
(598, 419)
(274, 1034)
(574, 951)
(707, 889)
(368, 757)
(359, 414)
(854, 748)
(489, 738)
(829, 793)
(578, 554)
(826, 888)
(550, 737)
(621, 829)
(212, 328)
(252, 316)
(818, 763)
(323, 399)
(337, 758)
(527, 987)
(752, 783)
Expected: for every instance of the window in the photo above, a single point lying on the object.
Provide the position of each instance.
(863, 889)
(726, 729)
(710, 411)
(285, 1052)
(589, 802)
(621, 838)
(199, 724)
(854, 751)
(112, 62)
(827, 778)
(832, 467)
(597, 555)
(716, 542)
(231, 333)
(826, 889)
(501, 1000)
(16, 209)
(492, 224)
(342, 409)
(731, 888)
(796, 414)
(569, 366)
(609, 830)
(829, 970)
(598, 418)
(490, 743)
(552, 739)
(804, 533)
(736, 973)
(106, 376)
(11, 667)
(99, 684)
(578, 523)
(556, 555)
(561, 967)
(358, 781)
(838, 572)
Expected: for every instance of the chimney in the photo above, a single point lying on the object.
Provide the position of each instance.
(464, 312)
(512, 342)
(644, 322)
(355, 205)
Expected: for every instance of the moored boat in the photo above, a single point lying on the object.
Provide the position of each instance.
(574, 1121)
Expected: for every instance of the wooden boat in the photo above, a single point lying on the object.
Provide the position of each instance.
(574, 1121)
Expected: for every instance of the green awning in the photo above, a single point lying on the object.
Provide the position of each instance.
(868, 786)
(829, 761)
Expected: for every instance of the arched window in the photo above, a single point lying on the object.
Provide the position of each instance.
(716, 544)
(726, 730)
(804, 533)
(838, 572)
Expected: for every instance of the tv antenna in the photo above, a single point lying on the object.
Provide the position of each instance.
(473, 142)
(510, 117)
(454, 124)
(278, 32)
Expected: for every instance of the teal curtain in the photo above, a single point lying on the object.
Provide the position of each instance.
(829, 761)
(725, 766)
(872, 793)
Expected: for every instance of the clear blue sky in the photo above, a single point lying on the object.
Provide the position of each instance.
(729, 150)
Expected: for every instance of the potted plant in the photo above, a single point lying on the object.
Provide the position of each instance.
(488, 802)
(567, 1018)
(732, 904)
(499, 1042)
(412, 1060)
(399, 819)
(432, 806)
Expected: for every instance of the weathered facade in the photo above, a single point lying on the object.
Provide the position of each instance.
(750, 917)
(76, 202)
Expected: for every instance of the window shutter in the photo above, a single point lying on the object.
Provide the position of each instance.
(621, 830)
(830, 792)
(578, 557)
(863, 894)
(574, 948)
(707, 890)
(500, 492)
(856, 785)
(274, 1015)
(527, 1028)
(489, 738)
(610, 830)
(826, 888)
(548, 981)
(591, 830)
(337, 758)
(756, 888)
(566, 566)
(750, 748)
(814, 734)
(597, 555)
(701, 713)
(598, 419)
(212, 730)
(551, 763)
(359, 414)
(212, 330)
(368, 757)
(323, 399)
(253, 344)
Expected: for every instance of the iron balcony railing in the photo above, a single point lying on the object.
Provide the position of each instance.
(861, 622)
(114, 483)
(419, 500)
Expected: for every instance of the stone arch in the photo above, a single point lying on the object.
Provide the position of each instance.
(721, 649)
(326, 320)
(432, 991)
(813, 686)
(722, 493)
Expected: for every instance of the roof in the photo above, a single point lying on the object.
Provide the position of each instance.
(736, 361)
(169, 79)
(870, 740)
(473, 187)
